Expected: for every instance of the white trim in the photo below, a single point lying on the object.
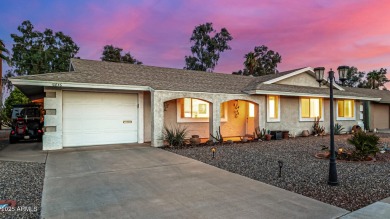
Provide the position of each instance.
(300, 71)
(273, 119)
(288, 75)
(59, 84)
(196, 120)
(294, 94)
(140, 109)
(345, 118)
(311, 119)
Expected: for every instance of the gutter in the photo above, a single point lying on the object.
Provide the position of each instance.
(59, 84)
(294, 94)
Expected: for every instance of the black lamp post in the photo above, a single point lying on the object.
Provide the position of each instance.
(319, 72)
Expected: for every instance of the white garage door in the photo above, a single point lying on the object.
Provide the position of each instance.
(91, 118)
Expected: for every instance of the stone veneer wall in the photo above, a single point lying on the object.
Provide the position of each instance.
(232, 127)
(52, 139)
(159, 97)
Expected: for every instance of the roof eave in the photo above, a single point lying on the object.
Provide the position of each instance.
(60, 84)
(296, 94)
(297, 72)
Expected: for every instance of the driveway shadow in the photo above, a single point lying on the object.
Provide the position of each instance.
(28, 151)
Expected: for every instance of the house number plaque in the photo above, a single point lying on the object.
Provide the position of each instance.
(56, 85)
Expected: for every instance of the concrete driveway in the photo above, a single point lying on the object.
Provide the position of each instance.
(144, 182)
(24, 152)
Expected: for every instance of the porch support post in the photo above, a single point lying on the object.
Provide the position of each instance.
(257, 115)
(140, 117)
(157, 114)
(215, 114)
(367, 116)
(262, 112)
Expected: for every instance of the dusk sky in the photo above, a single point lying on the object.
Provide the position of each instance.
(325, 33)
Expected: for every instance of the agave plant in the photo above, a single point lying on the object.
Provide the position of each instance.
(338, 128)
(175, 136)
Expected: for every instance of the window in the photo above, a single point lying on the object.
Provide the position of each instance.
(273, 108)
(345, 109)
(251, 110)
(195, 110)
(311, 108)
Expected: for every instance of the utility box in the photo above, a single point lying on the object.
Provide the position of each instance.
(276, 135)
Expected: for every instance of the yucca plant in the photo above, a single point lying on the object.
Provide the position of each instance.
(338, 128)
(365, 144)
(175, 136)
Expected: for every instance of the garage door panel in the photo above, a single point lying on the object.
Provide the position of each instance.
(85, 110)
(104, 125)
(89, 139)
(91, 118)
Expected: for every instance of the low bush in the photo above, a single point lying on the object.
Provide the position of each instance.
(365, 145)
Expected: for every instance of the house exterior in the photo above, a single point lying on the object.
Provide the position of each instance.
(100, 102)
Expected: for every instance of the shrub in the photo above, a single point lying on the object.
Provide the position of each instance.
(175, 136)
(338, 129)
(317, 129)
(365, 144)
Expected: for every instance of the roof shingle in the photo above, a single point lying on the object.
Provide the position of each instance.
(159, 78)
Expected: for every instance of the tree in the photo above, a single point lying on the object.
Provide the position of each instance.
(114, 54)
(207, 48)
(15, 97)
(377, 79)
(260, 62)
(250, 62)
(37, 52)
(3, 51)
(354, 77)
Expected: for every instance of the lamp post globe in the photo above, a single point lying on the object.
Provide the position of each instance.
(319, 73)
(343, 71)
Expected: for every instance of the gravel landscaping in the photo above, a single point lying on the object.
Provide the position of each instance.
(23, 182)
(360, 183)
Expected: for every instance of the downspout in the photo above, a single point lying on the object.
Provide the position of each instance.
(367, 114)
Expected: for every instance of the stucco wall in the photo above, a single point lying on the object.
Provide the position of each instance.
(195, 128)
(235, 126)
(232, 127)
(147, 118)
(380, 116)
(301, 80)
(289, 117)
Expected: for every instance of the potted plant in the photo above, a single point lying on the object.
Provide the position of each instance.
(195, 140)
(268, 136)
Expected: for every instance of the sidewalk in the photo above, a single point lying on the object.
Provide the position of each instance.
(376, 210)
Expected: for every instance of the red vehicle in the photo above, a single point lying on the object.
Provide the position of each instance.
(27, 123)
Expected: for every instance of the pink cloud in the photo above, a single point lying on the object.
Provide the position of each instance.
(305, 33)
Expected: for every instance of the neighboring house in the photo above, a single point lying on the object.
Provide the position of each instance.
(108, 103)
